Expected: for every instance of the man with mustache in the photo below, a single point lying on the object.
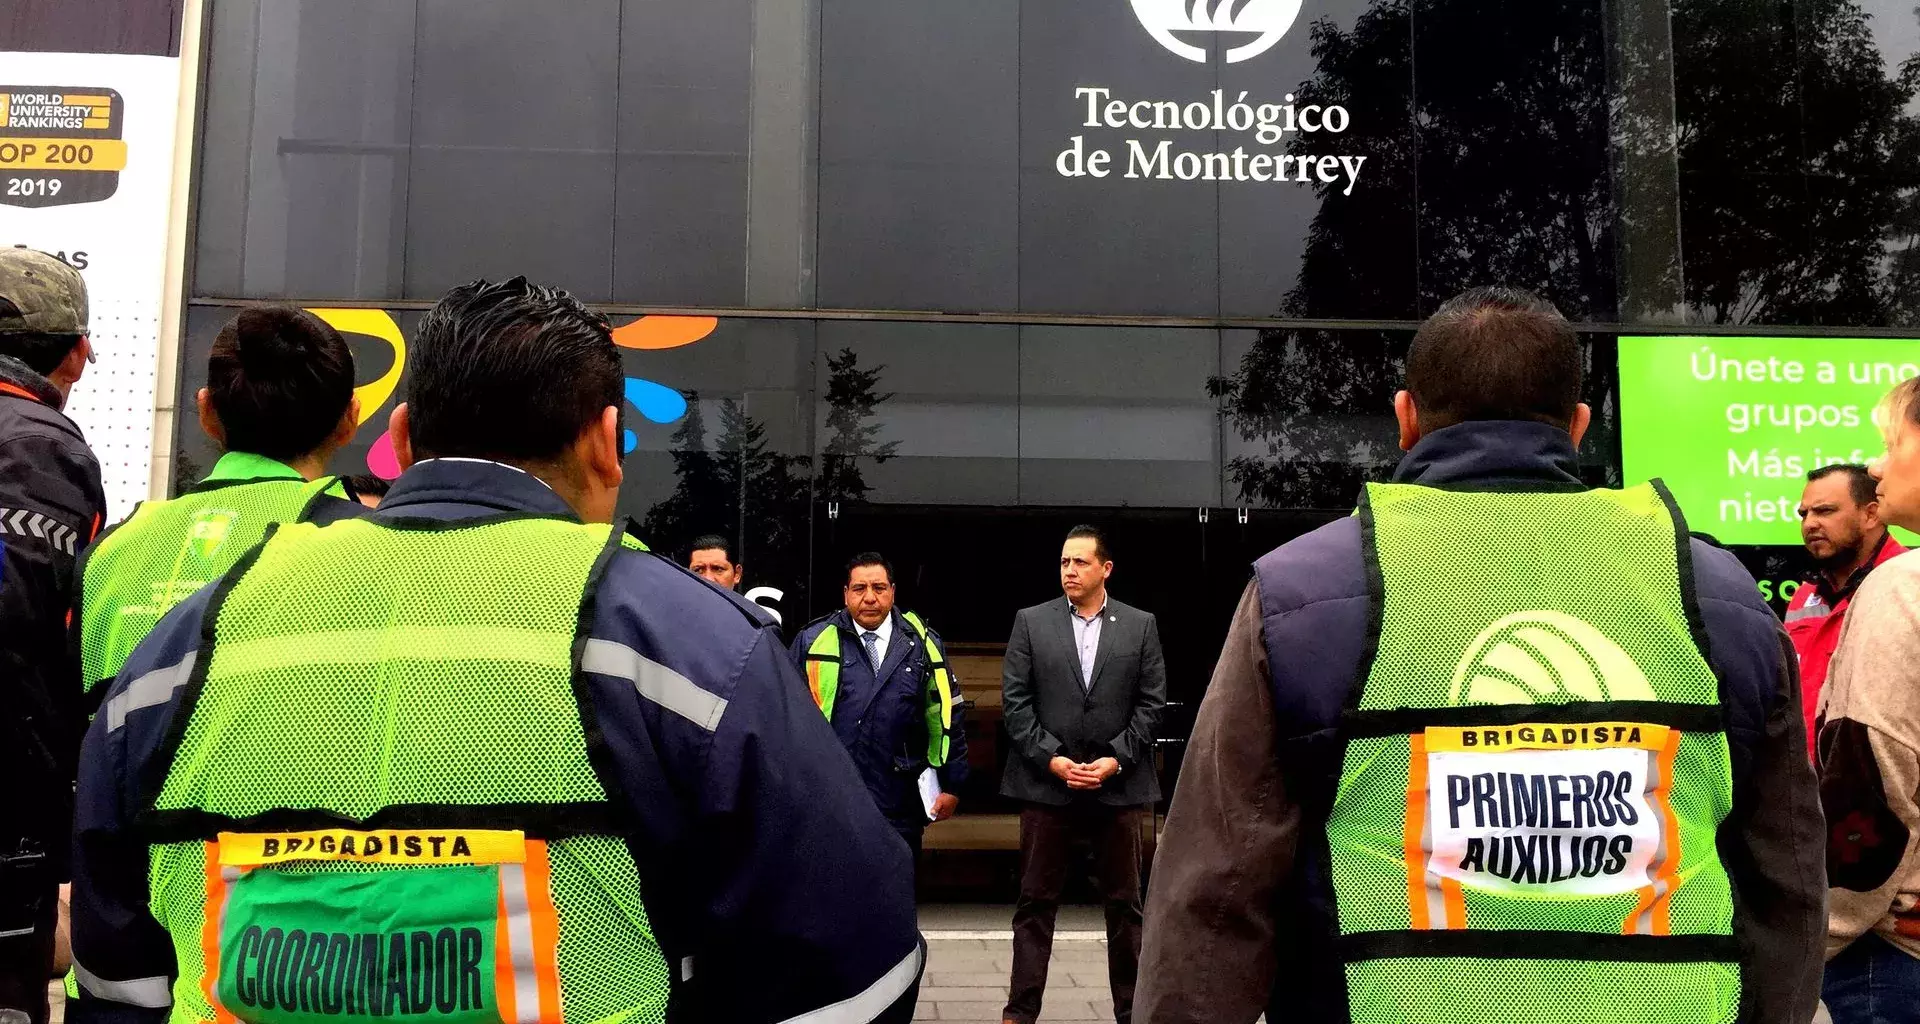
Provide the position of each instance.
(1841, 526)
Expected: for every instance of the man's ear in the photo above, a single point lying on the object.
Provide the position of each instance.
(400, 428)
(1870, 512)
(1409, 419)
(601, 454)
(1582, 419)
(210, 418)
(74, 364)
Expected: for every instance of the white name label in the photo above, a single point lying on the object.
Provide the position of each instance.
(1577, 820)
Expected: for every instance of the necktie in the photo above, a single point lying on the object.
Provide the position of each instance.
(872, 640)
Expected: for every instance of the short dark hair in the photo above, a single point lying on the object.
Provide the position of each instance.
(369, 486)
(868, 558)
(42, 352)
(509, 371)
(1095, 534)
(1860, 483)
(280, 378)
(710, 542)
(1494, 354)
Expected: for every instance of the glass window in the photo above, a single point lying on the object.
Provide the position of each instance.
(1514, 182)
(305, 150)
(513, 136)
(371, 149)
(1147, 244)
(731, 458)
(919, 155)
(1307, 416)
(1797, 196)
(1344, 248)
(680, 204)
(918, 413)
(1118, 416)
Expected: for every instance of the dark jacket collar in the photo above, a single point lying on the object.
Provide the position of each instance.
(469, 488)
(1494, 455)
(15, 373)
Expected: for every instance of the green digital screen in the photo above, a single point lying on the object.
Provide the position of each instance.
(1733, 425)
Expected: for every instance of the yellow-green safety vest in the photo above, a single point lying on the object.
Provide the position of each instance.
(383, 804)
(823, 681)
(1536, 768)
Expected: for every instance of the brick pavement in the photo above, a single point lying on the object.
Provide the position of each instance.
(966, 979)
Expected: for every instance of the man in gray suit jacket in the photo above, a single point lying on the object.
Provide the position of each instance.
(1082, 689)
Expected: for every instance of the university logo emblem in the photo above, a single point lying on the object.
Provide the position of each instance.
(1191, 28)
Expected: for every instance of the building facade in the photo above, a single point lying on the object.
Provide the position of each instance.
(943, 279)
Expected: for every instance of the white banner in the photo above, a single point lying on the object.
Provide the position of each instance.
(86, 173)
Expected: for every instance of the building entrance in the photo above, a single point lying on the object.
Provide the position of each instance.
(968, 569)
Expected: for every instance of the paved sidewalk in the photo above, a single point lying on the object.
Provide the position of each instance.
(970, 952)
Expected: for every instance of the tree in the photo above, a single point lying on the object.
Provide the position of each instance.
(700, 500)
(1798, 199)
(767, 496)
(736, 487)
(851, 403)
(1797, 174)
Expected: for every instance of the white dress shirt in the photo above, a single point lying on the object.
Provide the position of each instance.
(882, 635)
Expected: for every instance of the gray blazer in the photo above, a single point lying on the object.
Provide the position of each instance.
(1049, 713)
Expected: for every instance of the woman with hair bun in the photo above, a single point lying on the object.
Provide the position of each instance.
(279, 403)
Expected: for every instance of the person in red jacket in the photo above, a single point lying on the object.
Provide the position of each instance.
(1840, 524)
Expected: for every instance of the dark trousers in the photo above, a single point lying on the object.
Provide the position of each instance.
(1050, 839)
(913, 834)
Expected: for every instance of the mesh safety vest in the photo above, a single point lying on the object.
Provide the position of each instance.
(823, 681)
(380, 800)
(167, 550)
(1534, 768)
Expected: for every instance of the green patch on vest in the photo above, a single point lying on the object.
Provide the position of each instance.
(209, 532)
(361, 946)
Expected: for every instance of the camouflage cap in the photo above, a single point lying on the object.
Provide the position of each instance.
(39, 293)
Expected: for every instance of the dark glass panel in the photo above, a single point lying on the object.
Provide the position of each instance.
(305, 149)
(680, 222)
(1118, 416)
(919, 155)
(1322, 250)
(513, 137)
(1514, 182)
(918, 413)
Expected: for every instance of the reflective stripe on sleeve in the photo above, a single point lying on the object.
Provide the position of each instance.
(1809, 611)
(153, 993)
(655, 682)
(866, 1006)
(156, 687)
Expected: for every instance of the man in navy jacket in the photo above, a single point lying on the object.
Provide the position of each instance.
(879, 713)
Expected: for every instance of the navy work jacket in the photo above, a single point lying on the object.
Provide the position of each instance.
(881, 717)
(775, 889)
